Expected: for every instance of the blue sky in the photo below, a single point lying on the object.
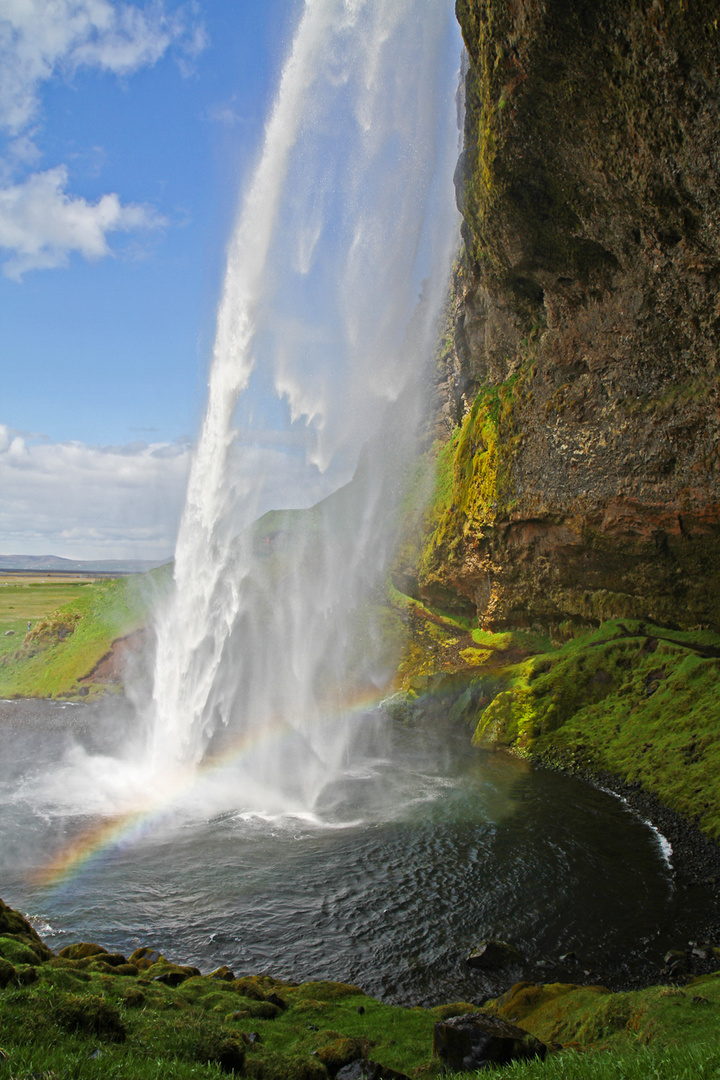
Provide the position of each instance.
(127, 130)
(98, 348)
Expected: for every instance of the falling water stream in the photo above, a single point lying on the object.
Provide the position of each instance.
(350, 209)
(253, 808)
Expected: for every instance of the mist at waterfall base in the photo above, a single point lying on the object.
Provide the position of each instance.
(246, 804)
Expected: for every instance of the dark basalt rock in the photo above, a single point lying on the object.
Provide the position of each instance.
(7, 972)
(491, 955)
(363, 1069)
(476, 1040)
(171, 978)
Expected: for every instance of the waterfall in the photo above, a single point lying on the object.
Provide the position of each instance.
(349, 214)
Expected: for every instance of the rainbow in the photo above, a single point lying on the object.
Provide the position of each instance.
(122, 831)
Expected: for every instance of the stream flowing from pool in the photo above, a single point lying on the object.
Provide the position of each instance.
(419, 848)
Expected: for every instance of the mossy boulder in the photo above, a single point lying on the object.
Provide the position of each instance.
(91, 1015)
(103, 967)
(252, 1010)
(17, 952)
(170, 974)
(82, 950)
(223, 973)
(15, 925)
(145, 957)
(341, 1051)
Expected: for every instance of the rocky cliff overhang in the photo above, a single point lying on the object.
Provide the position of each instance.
(587, 308)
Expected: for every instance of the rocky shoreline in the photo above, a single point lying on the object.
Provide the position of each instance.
(695, 863)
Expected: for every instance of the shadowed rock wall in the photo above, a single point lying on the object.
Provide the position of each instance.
(583, 373)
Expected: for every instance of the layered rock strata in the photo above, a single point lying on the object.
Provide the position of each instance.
(583, 477)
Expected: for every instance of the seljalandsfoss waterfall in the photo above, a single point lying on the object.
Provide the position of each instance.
(253, 802)
(350, 212)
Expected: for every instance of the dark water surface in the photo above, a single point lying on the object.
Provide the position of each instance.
(420, 849)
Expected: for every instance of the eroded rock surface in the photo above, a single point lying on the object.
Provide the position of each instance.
(586, 318)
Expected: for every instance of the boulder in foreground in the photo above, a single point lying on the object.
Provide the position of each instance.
(476, 1040)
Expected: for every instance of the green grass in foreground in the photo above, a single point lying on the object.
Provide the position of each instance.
(89, 1014)
(67, 641)
(696, 1061)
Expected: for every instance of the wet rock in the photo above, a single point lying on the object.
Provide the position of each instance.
(145, 957)
(474, 1040)
(491, 955)
(223, 973)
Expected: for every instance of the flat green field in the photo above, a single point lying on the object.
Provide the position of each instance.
(74, 621)
(26, 599)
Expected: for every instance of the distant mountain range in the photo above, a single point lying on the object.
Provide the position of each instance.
(55, 564)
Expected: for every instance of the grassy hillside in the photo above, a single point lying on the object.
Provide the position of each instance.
(73, 626)
(637, 701)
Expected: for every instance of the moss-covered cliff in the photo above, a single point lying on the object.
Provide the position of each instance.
(583, 479)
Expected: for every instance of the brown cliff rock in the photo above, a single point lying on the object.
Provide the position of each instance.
(588, 302)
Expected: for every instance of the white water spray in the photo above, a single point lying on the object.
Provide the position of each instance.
(350, 207)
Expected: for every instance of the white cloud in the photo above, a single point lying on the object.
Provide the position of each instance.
(90, 502)
(42, 225)
(226, 113)
(40, 38)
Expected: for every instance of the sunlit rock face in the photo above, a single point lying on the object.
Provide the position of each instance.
(587, 472)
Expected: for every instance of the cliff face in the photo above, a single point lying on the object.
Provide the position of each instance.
(583, 479)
